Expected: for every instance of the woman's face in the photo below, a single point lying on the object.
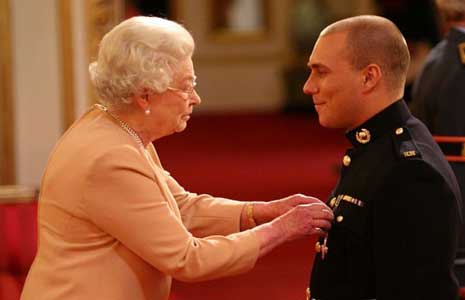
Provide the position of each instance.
(171, 109)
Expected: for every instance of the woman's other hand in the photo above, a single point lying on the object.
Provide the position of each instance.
(305, 220)
(264, 212)
(300, 221)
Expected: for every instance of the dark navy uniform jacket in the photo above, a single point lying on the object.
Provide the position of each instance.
(438, 100)
(439, 91)
(396, 209)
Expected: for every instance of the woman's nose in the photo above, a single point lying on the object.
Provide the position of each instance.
(195, 99)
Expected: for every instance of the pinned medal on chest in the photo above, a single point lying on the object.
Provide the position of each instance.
(322, 247)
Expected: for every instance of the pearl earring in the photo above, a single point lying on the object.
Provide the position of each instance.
(147, 111)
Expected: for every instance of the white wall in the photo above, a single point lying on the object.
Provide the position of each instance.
(36, 90)
(80, 63)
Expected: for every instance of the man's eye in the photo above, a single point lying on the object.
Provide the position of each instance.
(320, 72)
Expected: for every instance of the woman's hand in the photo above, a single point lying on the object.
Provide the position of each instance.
(300, 221)
(267, 211)
(305, 220)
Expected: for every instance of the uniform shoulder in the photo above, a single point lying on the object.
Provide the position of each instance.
(418, 155)
(405, 147)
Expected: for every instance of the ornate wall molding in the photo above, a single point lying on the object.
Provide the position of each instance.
(7, 124)
(67, 62)
(101, 16)
(96, 18)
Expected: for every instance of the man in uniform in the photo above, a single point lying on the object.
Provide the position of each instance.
(396, 204)
(439, 97)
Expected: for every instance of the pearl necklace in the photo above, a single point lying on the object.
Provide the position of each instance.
(123, 124)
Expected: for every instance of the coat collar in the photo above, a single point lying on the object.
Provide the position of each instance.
(388, 120)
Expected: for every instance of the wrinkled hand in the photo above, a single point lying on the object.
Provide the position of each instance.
(268, 211)
(293, 217)
(306, 219)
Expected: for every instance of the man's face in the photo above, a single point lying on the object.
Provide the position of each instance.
(334, 83)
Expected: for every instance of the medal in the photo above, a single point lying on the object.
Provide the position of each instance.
(324, 248)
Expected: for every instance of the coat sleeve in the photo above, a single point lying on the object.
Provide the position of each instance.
(205, 215)
(415, 223)
(123, 197)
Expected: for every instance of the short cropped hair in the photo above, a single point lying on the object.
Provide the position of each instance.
(140, 52)
(451, 10)
(374, 39)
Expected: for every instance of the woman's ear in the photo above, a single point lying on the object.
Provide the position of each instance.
(141, 98)
(371, 76)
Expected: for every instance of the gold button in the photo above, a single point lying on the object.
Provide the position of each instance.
(317, 247)
(307, 293)
(339, 219)
(399, 131)
(346, 160)
(332, 202)
(363, 136)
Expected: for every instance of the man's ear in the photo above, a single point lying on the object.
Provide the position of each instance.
(371, 77)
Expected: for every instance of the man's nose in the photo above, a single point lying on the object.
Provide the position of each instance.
(309, 87)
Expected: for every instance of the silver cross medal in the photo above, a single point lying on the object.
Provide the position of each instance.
(324, 248)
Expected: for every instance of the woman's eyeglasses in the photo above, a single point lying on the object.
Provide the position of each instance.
(186, 92)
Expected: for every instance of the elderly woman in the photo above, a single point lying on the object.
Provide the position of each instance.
(113, 224)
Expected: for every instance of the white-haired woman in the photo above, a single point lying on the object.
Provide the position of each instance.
(113, 224)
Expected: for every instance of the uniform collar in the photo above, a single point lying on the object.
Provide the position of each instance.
(388, 120)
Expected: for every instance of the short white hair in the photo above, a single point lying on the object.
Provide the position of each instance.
(140, 52)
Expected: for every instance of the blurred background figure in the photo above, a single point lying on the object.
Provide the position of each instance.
(439, 96)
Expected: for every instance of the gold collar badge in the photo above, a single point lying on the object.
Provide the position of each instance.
(363, 136)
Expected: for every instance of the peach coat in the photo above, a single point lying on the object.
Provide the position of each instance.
(113, 224)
